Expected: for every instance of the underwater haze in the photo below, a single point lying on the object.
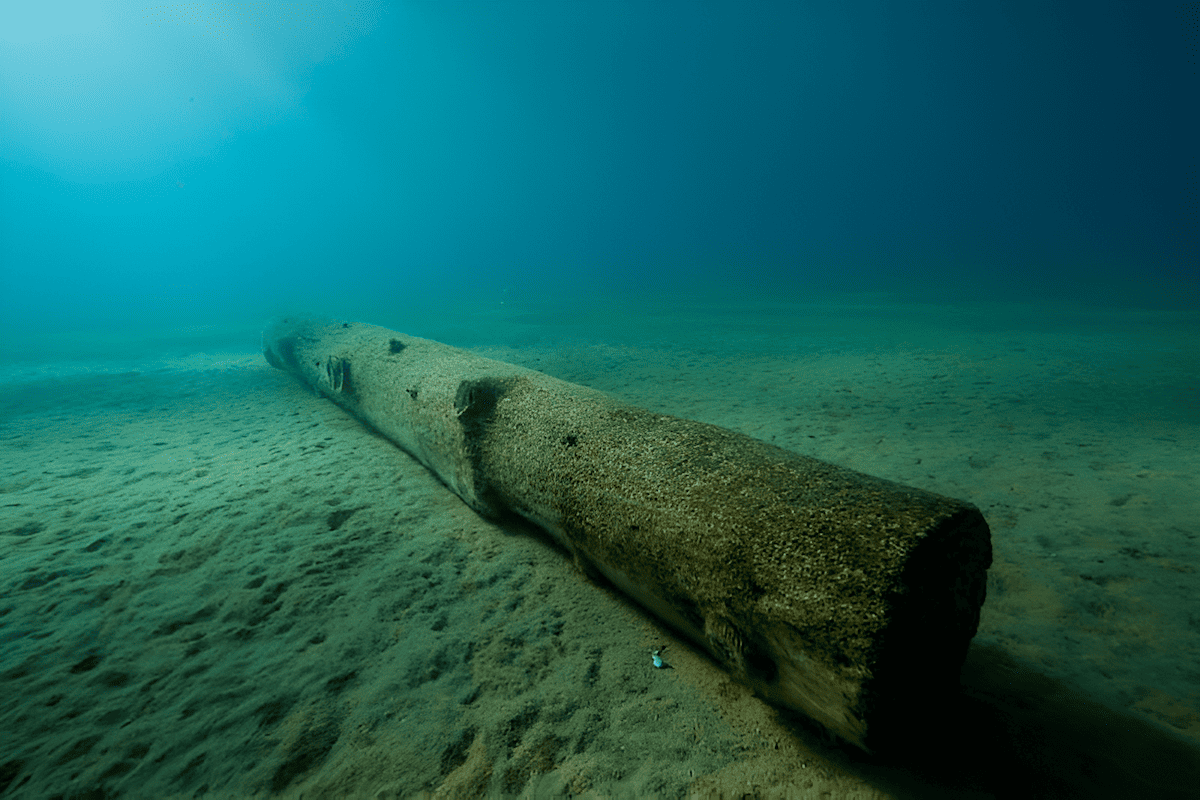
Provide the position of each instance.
(189, 164)
(950, 245)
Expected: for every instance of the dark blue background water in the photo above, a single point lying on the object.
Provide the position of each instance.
(197, 164)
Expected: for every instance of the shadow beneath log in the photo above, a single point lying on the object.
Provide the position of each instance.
(1013, 732)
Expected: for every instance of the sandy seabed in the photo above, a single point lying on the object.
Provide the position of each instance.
(214, 583)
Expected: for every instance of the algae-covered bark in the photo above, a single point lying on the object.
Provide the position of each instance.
(846, 597)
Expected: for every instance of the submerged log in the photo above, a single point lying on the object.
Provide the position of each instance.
(845, 597)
